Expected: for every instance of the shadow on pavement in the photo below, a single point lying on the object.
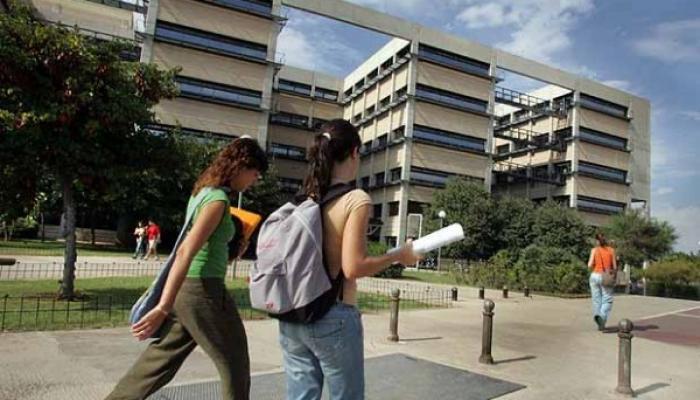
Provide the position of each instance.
(510, 360)
(650, 388)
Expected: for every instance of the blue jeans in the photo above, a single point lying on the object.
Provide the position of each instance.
(601, 296)
(331, 347)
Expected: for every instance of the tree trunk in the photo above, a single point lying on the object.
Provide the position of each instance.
(70, 255)
(92, 226)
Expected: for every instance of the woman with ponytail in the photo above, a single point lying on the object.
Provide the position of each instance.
(601, 261)
(332, 347)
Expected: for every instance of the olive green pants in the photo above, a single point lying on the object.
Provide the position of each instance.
(204, 314)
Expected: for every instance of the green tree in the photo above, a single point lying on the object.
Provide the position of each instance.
(638, 238)
(558, 226)
(71, 108)
(469, 204)
(513, 220)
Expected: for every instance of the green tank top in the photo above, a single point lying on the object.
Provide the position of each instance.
(212, 259)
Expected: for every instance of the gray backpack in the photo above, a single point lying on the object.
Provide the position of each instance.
(290, 279)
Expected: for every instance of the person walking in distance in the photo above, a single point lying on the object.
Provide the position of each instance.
(140, 236)
(332, 347)
(153, 233)
(603, 267)
(195, 308)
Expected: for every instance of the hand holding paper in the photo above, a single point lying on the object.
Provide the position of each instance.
(439, 238)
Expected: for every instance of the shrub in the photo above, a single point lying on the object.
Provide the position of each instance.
(676, 271)
(549, 269)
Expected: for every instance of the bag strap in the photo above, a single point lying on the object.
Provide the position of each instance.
(196, 202)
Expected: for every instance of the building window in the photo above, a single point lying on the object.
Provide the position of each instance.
(256, 6)
(348, 93)
(290, 185)
(424, 176)
(416, 207)
(379, 179)
(366, 148)
(372, 74)
(379, 142)
(562, 200)
(388, 63)
(216, 92)
(357, 118)
(602, 172)
(294, 87)
(452, 60)
(398, 134)
(326, 94)
(317, 122)
(395, 175)
(385, 101)
(448, 139)
(563, 168)
(400, 93)
(393, 208)
(377, 211)
(287, 151)
(294, 120)
(451, 99)
(602, 139)
(603, 106)
(359, 84)
(369, 110)
(502, 149)
(364, 183)
(599, 206)
(197, 39)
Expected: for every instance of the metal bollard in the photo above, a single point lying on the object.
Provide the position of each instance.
(624, 367)
(454, 294)
(394, 317)
(526, 291)
(505, 291)
(485, 357)
(481, 293)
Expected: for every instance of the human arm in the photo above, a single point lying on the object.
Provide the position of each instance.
(205, 224)
(590, 259)
(355, 261)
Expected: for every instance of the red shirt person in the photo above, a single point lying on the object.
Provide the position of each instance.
(153, 233)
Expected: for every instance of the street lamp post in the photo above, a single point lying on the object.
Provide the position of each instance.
(442, 214)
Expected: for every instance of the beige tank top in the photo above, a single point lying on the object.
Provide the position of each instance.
(335, 215)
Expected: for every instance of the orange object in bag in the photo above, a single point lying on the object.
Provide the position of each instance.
(249, 221)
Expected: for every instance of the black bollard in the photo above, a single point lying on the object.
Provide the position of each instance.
(624, 366)
(485, 357)
(526, 291)
(505, 291)
(481, 293)
(454, 294)
(394, 316)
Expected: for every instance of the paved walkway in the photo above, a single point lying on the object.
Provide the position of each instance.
(548, 345)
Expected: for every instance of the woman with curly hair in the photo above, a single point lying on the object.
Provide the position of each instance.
(195, 308)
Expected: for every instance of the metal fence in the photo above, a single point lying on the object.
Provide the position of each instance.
(54, 270)
(45, 312)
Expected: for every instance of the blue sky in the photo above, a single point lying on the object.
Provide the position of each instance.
(647, 47)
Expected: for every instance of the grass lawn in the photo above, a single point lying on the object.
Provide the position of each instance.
(430, 277)
(105, 302)
(30, 247)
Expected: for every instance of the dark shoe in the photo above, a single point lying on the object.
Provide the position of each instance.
(600, 322)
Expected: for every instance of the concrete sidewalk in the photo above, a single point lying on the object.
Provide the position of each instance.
(549, 345)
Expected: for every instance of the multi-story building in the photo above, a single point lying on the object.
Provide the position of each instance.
(428, 105)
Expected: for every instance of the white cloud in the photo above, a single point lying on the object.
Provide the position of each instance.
(309, 42)
(685, 220)
(542, 27)
(694, 115)
(662, 191)
(672, 41)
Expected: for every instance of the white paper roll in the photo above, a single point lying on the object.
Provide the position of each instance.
(439, 238)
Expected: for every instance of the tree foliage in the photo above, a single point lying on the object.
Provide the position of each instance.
(638, 238)
(71, 109)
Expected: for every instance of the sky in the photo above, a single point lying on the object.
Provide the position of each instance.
(647, 47)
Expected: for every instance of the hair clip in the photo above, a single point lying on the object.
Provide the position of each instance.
(326, 135)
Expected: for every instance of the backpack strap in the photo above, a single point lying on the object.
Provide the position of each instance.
(335, 192)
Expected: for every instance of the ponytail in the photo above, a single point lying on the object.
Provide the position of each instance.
(334, 143)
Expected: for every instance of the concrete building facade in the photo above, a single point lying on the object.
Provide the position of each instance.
(428, 105)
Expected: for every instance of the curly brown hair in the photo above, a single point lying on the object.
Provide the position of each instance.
(242, 153)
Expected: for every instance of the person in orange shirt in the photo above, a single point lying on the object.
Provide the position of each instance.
(602, 259)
